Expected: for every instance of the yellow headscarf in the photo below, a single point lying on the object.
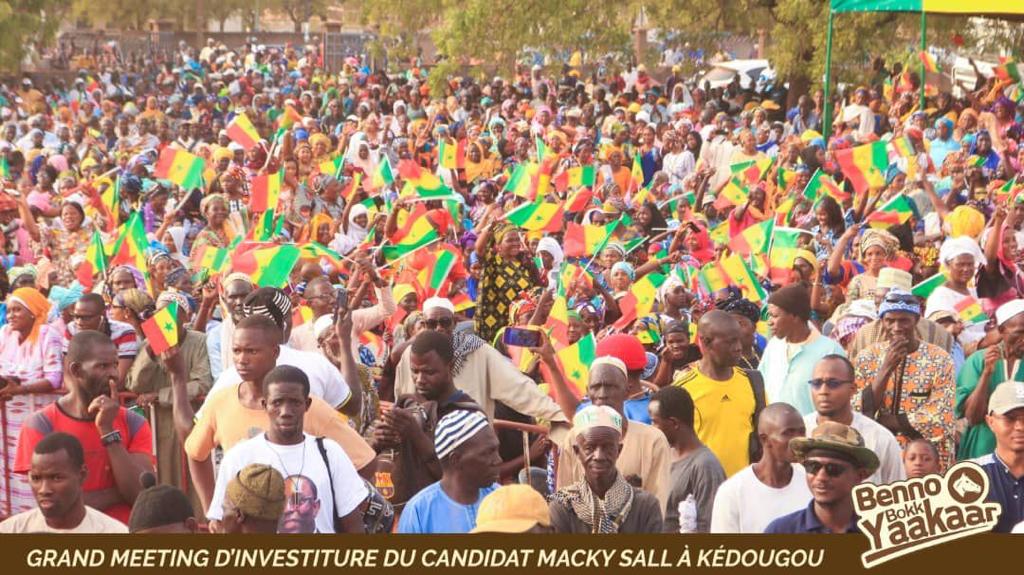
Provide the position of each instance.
(36, 304)
(965, 221)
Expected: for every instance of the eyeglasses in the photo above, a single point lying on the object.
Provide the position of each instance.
(1012, 420)
(831, 469)
(443, 323)
(831, 383)
(899, 298)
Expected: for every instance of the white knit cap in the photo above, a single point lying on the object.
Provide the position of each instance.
(322, 324)
(609, 360)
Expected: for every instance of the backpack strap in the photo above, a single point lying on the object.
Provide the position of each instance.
(330, 480)
(760, 402)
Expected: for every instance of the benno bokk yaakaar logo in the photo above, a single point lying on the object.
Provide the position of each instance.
(905, 516)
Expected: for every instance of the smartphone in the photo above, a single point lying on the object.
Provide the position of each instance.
(521, 337)
(341, 302)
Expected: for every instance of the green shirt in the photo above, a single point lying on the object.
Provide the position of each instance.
(978, 439)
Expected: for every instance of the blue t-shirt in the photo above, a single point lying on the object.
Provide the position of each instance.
(636, 408)
(432, 511)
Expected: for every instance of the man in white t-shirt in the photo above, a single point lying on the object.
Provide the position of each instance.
(778, 485)
(320, 482)
(57, 474)
(832, 389)
(325, 381)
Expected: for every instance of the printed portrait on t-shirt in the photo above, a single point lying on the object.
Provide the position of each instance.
(301, 506)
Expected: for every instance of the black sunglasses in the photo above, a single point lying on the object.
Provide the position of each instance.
(831, 469)
(828, 381)
(445, 323)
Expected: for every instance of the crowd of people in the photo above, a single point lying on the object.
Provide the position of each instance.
(246, 294)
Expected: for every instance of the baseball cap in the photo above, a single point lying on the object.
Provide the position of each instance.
(512, 509)
(839, 438)
(625, 347)
(1007, 396)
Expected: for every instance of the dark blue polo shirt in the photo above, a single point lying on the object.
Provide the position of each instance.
(1004, 489)
(805, 521)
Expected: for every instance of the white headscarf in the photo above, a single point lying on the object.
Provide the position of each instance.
(549, 245)
(345, 242)
(954, 247)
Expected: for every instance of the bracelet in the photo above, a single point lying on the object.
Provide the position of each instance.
(111, 438)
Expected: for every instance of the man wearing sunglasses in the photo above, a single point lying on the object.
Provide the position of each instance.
(835, 460)
(832, 390)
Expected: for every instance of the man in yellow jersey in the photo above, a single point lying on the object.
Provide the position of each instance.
(723, 394)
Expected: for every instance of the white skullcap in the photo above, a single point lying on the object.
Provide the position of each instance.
(322, 324)
(609, 360)
(438, 302)
(455, 429)
(597, 416)
(1009, 310)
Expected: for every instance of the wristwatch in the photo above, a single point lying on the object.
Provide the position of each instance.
(111, 438)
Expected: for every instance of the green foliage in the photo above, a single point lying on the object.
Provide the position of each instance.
(24, 21)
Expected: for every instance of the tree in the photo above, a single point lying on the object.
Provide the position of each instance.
(117, 14)
(300, 11)
(224, 9)
(26, 21)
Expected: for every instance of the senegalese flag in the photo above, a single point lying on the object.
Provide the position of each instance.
(331, 166)
(636, 174)
(382, 176)
(131, 245)
(821, 185)
(586, 240)
(574, 361)
(288, 117)
(111, 198)
(579, 200)
(242, 132)
(433, 276)
(975, 161)
(733, 194)
(558, 321)
(903, 146)
(5, 169)
(969, 311)
(926, 287)
(461, 301)
(1005, 191)
(416, 233)
(452, 155)
(212, 259)
(318, 251)
(719, 234)
(521, 181)
(753, 239)
(538, 216)
(894, 212)
(751, 171)
(1009, 69)
(267, 267)
(785, 177)
(640, 299)
(711, 278)
(577, 176)
(783, 252)
(180, 167)
(864, 165)
(353, 187)
(929, 62)
(265, 191)
(421, 182)
(741, 275)
(162, 329)
(95, 262)
(542, 148)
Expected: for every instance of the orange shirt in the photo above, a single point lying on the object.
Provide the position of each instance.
(226, 422)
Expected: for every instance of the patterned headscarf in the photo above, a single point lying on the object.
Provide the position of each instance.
(879, 238)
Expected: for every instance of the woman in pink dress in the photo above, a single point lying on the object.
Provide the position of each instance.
(30, 373)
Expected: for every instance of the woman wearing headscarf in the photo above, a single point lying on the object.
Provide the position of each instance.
(961, 257)
(694, 236)
(354, 229)
(219, 232)
(1000, 279)
(507, 272)
(478, 164)
(877, 248)
(621, 278)
(31, 371)
(132, 306)
(551, 256)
